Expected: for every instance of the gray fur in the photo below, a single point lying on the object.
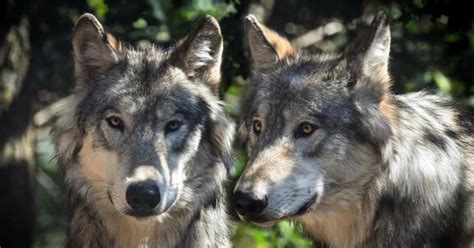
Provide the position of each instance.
(146, 89)
(379, 170)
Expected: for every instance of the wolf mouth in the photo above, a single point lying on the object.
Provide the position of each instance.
(307, 206)
(264, 221)
(141, 214)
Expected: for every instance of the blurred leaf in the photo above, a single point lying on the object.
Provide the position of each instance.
(442, 81)
(233, 90)
(163, 34)
(394, 12)
(413, 27)
(419, 3)
(471, 40)
(452, 37)
(157, 10)
(99, 6)
(239, 165)
(140, 23)
(200, 7)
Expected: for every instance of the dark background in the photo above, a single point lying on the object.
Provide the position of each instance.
(432, 48)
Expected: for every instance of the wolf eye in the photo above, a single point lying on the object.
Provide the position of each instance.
(257, 126)
(305, 129)
(115, 122)
(173, 125)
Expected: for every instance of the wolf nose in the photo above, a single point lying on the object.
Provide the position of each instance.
(143, 195)
(246, 203)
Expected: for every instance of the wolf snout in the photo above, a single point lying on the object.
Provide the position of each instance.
(143, 196)
(248, 203)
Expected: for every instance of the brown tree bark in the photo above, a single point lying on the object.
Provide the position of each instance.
(16, 136)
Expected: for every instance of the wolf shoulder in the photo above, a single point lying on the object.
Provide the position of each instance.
(435, 112)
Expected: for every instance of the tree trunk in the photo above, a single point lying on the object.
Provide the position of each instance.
(16, 136)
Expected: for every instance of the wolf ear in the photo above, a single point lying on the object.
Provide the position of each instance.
(367, 60)
(266, 46)
(221, 132)
(95, 51)
(370, 51)
(199, 55)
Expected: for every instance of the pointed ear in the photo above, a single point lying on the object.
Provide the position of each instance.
(199, 55)
(367, 60)
(266, 46)
(371, 49)
(94, 50)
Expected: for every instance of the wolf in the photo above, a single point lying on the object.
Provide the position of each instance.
(329, 145)
(144, 143)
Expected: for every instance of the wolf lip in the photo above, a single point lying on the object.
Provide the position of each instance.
(265, 224)
(307, 205)
(258, 220)
(140, 213)
(266, 221)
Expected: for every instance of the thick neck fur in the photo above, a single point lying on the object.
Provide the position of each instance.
(342, 218)
(341, 225)
(412, 200)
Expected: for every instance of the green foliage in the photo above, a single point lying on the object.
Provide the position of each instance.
(50, 214)
(198, 8)
(99, 6)
(172, 19)
(283, 234)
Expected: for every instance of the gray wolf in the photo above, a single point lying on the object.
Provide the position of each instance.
(330, 146)
(144, 143)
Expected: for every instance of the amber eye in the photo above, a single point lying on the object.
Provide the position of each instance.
(257, 126)
(173, 125)
(115, 122)
(305, 129)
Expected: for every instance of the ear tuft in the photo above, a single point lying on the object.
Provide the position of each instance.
(266, 46)
(199, 55)
(94, 49)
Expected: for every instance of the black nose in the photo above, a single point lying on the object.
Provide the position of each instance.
(247, 203)
(143, 196)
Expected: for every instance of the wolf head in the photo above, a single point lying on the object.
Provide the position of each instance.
(313, 123)
(138, 119)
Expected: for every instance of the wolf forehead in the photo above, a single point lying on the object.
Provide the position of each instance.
(144, 80)
(306, 85)
(139, 71)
